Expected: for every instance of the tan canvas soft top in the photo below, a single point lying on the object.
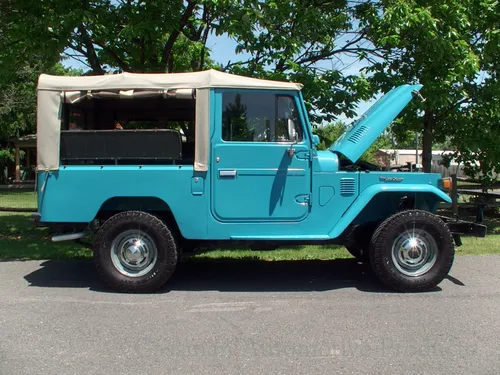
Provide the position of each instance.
(195, 80)
(54, 90)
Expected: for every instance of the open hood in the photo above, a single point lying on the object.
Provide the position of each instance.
(364, 131)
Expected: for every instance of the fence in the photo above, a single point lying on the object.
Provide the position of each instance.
(18, 198)
(448, 172)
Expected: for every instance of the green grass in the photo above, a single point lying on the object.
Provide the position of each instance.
(18, 199)
(20, 239)
(297, 253)
(37, 249)
(479, 246)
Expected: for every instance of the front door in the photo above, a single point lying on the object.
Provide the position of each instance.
(260, 158)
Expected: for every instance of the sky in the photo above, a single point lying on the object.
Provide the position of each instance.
(223, 50)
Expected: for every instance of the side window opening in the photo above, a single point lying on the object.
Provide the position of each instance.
(259, 117)
(142, 130)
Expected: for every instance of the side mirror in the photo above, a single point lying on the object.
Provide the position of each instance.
(315, 140)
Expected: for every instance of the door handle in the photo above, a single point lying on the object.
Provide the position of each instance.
(227, 173)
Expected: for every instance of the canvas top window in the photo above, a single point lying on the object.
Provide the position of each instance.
(112, 112)
(259, 117)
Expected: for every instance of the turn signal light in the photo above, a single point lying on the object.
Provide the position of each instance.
(446, 183)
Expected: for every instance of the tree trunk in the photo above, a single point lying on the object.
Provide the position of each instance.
(427, 140)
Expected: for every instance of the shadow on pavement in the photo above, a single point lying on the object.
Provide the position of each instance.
(227, 276)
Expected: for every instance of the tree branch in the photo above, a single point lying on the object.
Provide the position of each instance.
(313, 57)
(280, 67)
(204, 41)
(167, 58)
(121, 64)
(91, 53)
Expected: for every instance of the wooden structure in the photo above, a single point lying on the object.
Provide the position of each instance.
(484, 196)
(26, 143)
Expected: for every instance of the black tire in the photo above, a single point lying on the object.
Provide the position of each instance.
(359, 244)
(157, 236)
(361, 253)
(431, 234)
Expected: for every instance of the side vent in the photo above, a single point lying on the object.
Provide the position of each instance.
(358, 134)
(347, 187)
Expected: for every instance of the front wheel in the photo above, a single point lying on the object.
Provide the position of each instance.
(412, 251)
(135, 251)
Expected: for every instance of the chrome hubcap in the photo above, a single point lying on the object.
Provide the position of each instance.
(133, 253)
(414, 253)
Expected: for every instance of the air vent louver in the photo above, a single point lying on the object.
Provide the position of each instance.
(358, 134)
(347, 187)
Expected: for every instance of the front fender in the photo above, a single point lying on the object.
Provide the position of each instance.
(370, 192)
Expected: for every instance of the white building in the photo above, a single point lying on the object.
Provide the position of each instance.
(390, 157)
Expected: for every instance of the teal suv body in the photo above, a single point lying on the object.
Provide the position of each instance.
(150, 166)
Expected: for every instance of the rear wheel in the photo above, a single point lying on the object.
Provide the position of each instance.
(412, 251)
(135, 251)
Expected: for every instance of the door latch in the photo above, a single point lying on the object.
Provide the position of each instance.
(304, 199)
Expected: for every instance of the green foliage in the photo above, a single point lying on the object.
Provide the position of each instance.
(452, 47)
(448, 46)
(18, 98)
(284, 40)
(235, 127)
(329, 133)
(133, 36)
(6, 157)
(476, 141)
(289, 40)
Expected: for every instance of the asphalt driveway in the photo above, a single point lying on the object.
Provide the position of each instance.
(249, 318)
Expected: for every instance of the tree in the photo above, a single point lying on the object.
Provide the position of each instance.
(329, 133)
(123, 35)
(444, 45)
(476, 142)
(235, 124)
(287, 40)
(302, 41)
(18, 98)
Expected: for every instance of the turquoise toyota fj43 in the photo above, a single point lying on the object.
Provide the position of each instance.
(150, 165)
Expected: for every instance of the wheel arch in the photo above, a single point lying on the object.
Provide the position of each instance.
(151, 204)
(378, 202)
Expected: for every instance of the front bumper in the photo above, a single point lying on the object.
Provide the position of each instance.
(466, 228)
